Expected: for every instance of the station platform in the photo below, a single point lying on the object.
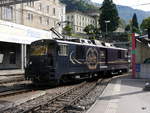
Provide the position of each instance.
(123, 95)
(10, 75)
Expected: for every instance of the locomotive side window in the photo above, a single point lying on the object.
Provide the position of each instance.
(126, 54)
(80, 52)
(63, 50)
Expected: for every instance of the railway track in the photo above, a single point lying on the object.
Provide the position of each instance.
(64, 101)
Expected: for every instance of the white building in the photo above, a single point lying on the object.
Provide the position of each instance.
(42, 14)
(81, 20)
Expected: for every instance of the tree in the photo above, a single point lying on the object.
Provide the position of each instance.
(67, 30)
(135, 26)
(108, 12)
(128, 28)
(145, 24)
(91, 31)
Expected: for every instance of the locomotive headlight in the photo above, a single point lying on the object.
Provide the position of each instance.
(30, 63)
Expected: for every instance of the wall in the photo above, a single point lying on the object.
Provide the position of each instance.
(7, 49)
(142, 52)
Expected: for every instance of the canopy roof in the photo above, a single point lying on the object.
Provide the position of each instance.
(15, 33)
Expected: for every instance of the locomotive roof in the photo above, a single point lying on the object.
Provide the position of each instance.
(87, 44)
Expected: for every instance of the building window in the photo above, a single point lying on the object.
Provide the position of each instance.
(40, 6)
(30, 17)
(47, 21)
(47, 9)
(30, 3)
(7, 13)
(54, 23)
(62, 11)
(12, 59)
(54, 11)
(40, 19)
(68, 17)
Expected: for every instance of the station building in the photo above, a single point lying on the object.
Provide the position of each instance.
(14, 44)
(41, 14)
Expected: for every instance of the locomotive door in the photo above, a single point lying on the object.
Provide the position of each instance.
(103, 58)
(62, 58)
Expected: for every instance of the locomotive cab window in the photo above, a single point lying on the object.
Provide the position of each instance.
(39, 48)
(63, 50)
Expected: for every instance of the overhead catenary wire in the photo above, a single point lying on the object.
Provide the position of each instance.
(143, 4)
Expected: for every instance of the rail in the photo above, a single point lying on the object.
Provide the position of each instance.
(63, 101)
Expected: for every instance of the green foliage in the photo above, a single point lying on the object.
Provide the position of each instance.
(135, 26)
(122, 23)
(67, 30)
(145, 24)
(135, 22)
(79, 5)
(109, 12)
(117, 37)
(128, 28)
(91, 31)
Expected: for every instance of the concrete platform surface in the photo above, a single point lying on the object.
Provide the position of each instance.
(11, 72)
(123, 96)
(12, 101)
(10, 75)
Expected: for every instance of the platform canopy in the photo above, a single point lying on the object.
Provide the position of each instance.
(16, 33)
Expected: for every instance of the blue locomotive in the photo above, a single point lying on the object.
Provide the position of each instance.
(52, 61)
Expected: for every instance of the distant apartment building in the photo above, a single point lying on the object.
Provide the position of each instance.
(42, 14)
(80, 20)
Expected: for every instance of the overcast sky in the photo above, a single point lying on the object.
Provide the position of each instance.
(136, 4)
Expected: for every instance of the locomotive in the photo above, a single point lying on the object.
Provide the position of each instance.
(57, 60)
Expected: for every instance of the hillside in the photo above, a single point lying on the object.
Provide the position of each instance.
(80, 5)
(125, 12)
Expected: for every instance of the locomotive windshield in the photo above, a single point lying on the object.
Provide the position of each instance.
(39, 48)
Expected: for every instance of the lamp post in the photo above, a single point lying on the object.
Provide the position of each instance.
(106, 22)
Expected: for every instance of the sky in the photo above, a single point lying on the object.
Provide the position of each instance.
(136, 4)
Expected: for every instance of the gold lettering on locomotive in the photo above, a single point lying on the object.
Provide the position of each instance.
(92, 58)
